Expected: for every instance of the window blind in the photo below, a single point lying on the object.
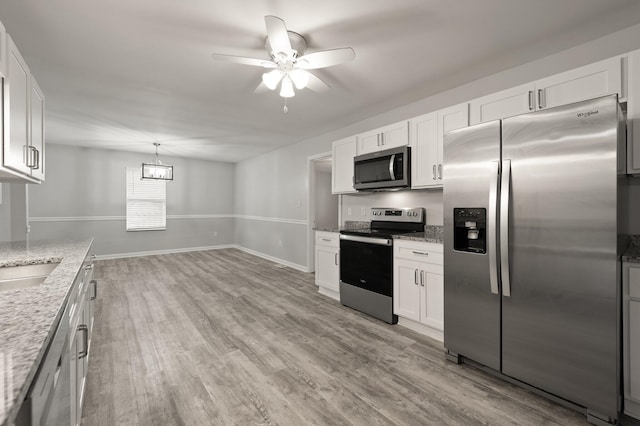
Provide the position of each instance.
(146, 202)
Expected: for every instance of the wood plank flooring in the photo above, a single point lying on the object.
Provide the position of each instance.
(223, 337)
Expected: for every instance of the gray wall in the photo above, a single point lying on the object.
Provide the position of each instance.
(326, 204)
(84, 196)
(269, 185)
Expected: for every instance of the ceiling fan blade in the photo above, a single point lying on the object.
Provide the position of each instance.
(264, 63)
(277, 33)
(262, 88)
(326, 58)
(316, 84)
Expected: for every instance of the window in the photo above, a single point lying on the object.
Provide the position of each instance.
(146, 203)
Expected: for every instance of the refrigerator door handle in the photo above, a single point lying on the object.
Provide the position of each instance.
(492, 235)
(505, 191)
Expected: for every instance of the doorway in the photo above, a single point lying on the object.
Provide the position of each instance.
(323, 205)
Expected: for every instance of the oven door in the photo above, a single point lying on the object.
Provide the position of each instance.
(367, 263)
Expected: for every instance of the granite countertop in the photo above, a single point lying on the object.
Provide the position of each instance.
(632, 253)
(29, 316)
(431, 234)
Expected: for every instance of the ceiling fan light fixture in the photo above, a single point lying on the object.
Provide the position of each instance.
(300, 78)
(272, 78)
(286, 89)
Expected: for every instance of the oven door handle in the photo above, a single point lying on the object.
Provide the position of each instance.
(368, 240)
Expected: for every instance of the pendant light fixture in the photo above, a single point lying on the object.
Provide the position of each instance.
(156, 170)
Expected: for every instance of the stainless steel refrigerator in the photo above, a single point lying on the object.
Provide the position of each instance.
(531, 271)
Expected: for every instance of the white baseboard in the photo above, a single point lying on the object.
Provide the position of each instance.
(422, 329)
(329, 293)
(156, 252)
(273, 259)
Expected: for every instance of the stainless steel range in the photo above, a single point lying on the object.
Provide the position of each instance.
(366, 260)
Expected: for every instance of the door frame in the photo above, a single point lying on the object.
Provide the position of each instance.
(311, 206)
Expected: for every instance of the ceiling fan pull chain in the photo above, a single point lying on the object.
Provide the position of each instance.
(285, 109)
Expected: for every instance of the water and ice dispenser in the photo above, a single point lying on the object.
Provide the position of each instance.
(470, 230)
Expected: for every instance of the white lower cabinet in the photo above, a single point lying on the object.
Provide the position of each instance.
(631, 338)
(328, 263)
(418, 286)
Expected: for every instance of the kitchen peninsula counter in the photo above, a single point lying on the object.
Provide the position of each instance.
(29, 316)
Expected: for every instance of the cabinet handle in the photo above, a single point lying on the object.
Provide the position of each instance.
(541, 100)
(378, 139)
(36, 160)
(326, 239)
(95, 289)
(29, 158)
(335, 258)
(422, 278)
(83, 353)
(88, 267)
(530, 100)
(415, 277)
(440, 171)
(382, 138)
(421, 253)
(434, 172)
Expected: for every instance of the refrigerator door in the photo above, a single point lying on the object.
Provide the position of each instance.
(559, 322)
(471, 293)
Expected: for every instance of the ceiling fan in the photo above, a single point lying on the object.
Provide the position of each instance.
(289, 65)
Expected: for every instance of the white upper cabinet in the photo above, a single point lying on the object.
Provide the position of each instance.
(342, 172)
(16, 112)
(587, 82)
(633, 114)
(427, 143)
(507, 103)
(23, 112)
(386, 137)
(3, 51)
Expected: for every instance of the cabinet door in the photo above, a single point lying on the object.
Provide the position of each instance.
(452, 118)
(432, 303)
(394, 135)
(327, 270)
(406, 289)
(386, 137)
(633, 114)
(588, 82)
(3, 51)
(16, 106)
(369, 142)
(634, 350)
(507, 103)
(37, 128)
(342, 165)
(424, 150)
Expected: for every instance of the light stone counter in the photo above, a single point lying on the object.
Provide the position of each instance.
(29, 316)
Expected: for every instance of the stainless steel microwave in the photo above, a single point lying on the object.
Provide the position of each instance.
(383, 170)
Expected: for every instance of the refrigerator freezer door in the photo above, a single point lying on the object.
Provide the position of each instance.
(472, 310)
(559, 325)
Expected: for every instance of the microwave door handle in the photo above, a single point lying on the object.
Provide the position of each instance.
(392, 163)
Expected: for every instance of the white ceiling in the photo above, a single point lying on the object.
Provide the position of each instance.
(123, 74)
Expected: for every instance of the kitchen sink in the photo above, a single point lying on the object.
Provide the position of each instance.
(14, 277)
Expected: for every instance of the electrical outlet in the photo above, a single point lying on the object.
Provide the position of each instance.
(299, 204)
(363, 211)
(279, 243)
(215, 233)
(349, 211)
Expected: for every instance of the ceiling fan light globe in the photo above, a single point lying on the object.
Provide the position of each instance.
(300, 78)
(286, 89)
(271, 79)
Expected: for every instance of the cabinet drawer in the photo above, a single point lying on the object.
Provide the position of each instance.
(418, 251)
(634, 282)
(331, 239)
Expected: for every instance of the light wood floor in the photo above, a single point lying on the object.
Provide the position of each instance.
(223, 337)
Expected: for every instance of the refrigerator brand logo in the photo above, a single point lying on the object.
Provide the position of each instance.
(587, 114)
